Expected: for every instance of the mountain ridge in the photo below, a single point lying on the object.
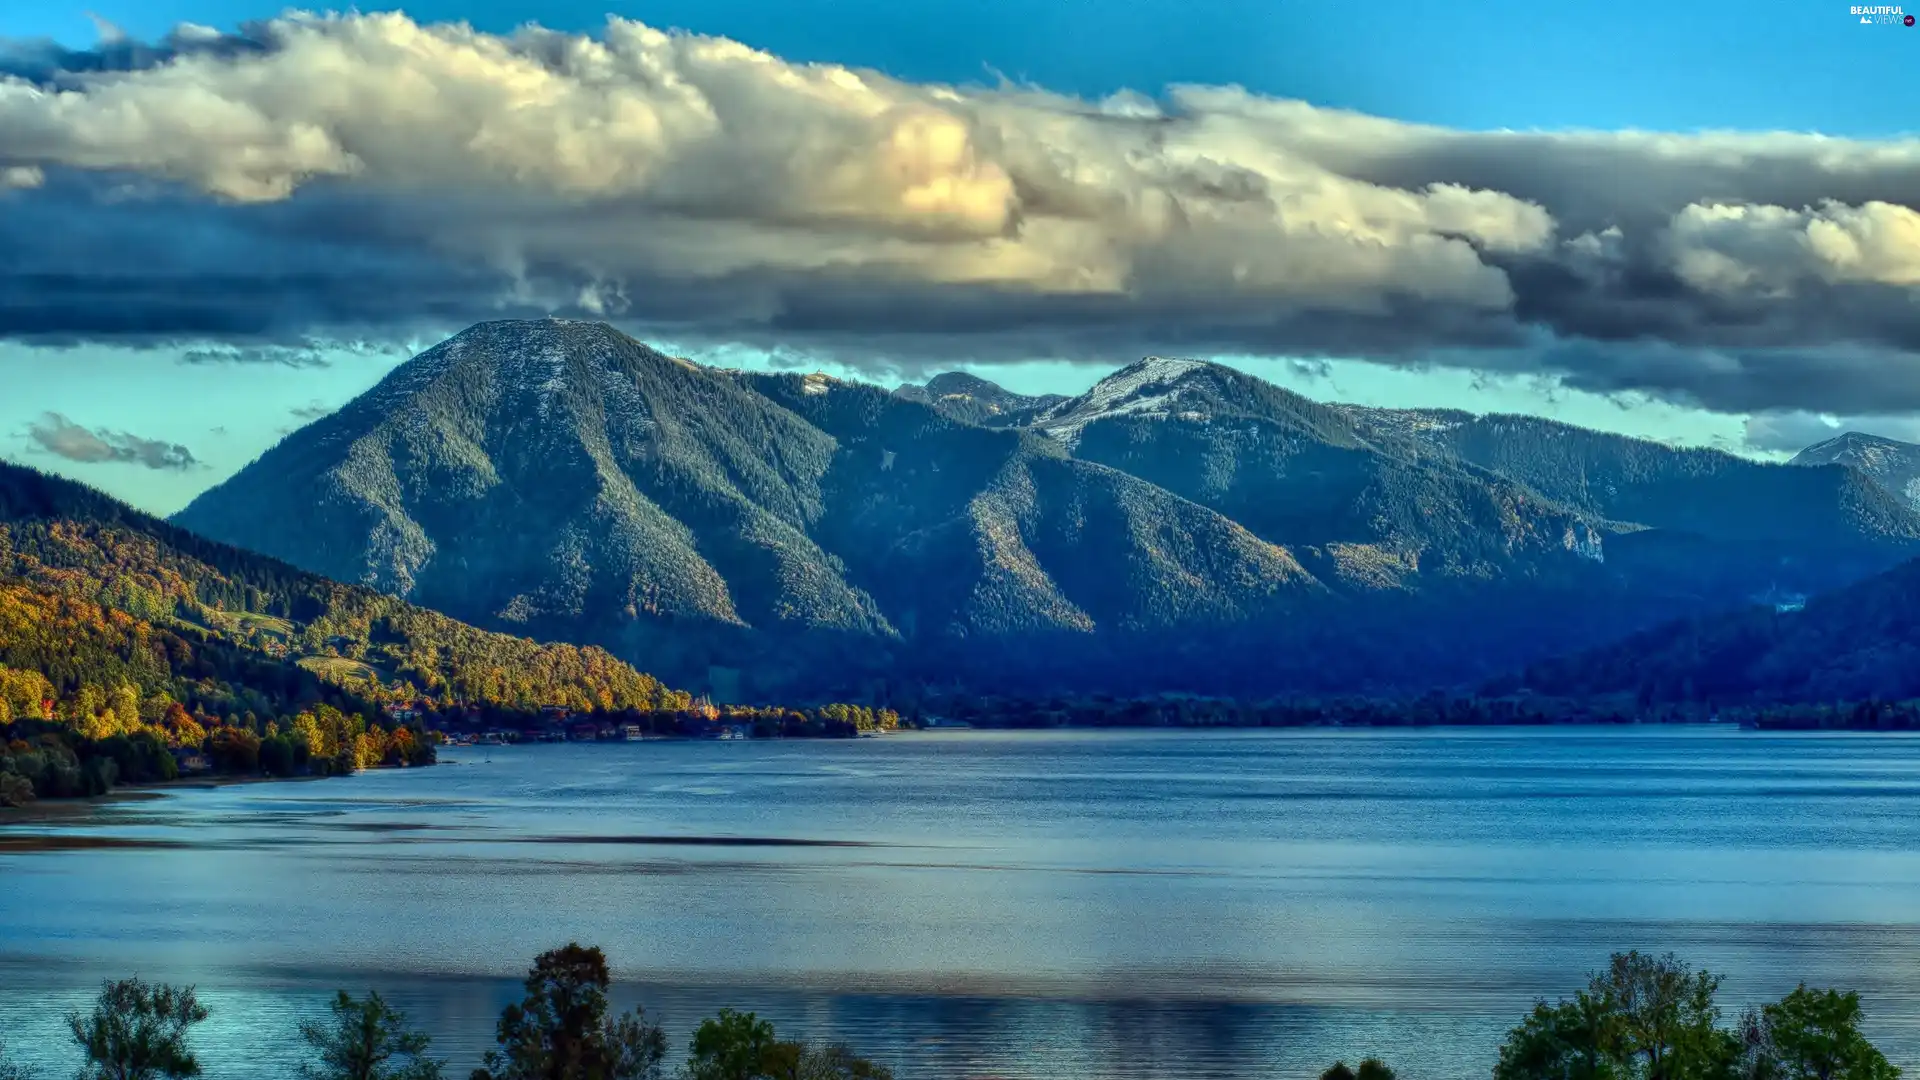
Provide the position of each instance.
(1180, 526)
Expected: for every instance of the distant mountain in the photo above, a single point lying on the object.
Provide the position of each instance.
(1181, 526)
(1302, 474)
(1858, 643)
(1892, 464)
(1702, 522)
(977, 400)
(66, 548)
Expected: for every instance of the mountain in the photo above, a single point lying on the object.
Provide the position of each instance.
(1299, 473)
(1858, 643)
(1892, 464)
(268, 628)
(977, 400)
(563, 480)
(1695, 522)
(1181, 526)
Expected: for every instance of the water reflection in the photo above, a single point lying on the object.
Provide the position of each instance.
(1062, 906)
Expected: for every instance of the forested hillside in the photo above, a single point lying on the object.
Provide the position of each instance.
(1860, 643)
(64, 538)
(125, 642)
(1181, 526)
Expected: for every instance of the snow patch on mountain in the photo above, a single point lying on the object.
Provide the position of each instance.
(1412, 425)
(1148, 388)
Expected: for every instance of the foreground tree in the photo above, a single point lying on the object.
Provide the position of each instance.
(138, 1031)
(561, 1031)
(10, 1069)
(807, 1061)
(1645, 1017)
(1370, 1069)
(1815, 1035)
(1654, 1018)
(365, 1039)
(732, 1046)
(1665, 1020)
(1574, 1040)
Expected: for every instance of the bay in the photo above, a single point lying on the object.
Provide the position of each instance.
(1025, 905)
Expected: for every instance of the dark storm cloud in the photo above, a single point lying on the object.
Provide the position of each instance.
(364, 178)
(61, 437)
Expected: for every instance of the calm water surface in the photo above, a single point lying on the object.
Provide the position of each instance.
(1040, 906)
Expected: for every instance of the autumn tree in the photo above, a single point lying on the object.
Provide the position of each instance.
(182, 729)
(366, 1039)
(138, 1031)
(234, 749)
(562, 1030)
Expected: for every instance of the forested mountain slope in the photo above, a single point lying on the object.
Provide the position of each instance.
(1892, 464)
(62, 539)
(1858, 643)
(1180, 527)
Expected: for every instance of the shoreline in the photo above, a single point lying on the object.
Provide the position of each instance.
(57, 808)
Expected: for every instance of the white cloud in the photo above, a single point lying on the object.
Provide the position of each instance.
(1771, 249)
(351, 176)
(785, 166)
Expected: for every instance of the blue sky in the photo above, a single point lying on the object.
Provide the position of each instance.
(1802, 65)
(1629, 64)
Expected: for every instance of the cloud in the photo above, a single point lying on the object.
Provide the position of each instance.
(280, 355)
(1794, 431)
(61, 437)
(311, 412)
(366, 177)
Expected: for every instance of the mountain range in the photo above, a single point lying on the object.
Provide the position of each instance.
(1182, 526)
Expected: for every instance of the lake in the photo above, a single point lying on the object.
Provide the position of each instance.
(1041, 906)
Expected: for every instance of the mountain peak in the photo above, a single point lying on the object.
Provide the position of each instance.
(1890, 463)
(965, 396)
(1854, 441)
(963, 382)
(1147, 387)
(1162, 367)
(1873, 454)
(535, 362)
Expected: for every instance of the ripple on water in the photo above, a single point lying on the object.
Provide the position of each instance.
(1043, 906)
